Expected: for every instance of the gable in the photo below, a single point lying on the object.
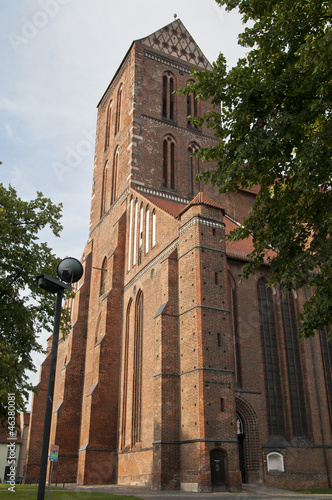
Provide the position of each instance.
(174, 40)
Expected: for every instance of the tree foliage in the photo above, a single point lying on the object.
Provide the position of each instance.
(25, 310)
(275, 131)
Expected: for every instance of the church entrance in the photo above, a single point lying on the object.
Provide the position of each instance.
(218, 468)
(241, 436)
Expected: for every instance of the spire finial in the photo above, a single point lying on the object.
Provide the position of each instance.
(175, 16)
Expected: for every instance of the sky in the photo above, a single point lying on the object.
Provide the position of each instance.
(57, 59)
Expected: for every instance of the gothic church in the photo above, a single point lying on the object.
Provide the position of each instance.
(175, 375)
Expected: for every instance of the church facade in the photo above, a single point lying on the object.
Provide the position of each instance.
(175, 375)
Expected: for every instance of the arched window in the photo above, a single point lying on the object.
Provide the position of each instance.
(108, 125)
(154, 228)
(270, 359)
(118, 110)
(140, 236)
(125, 377)
(103, 275)
(115, 176)
(135, 232)
(275, 462)
(130, 231)
(137, 375)
(169, 162)
(294, 369)
(193, 164)
(168, 96)
(147, 228)
(192, 108)
(104, 190)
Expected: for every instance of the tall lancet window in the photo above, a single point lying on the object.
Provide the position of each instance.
(115, 176)
(135, 233)
(137, 374)
(326, 348)
(154, 228)
(140, 236)
(118, 110)
(131, 210)
(125, 377)
(147, 228)
(234, 325)
(192, 108)
(108, 125)
(193, 164)
(168, 96)
(104, 193)
(294, 368)
(270, 359)
(169, 162)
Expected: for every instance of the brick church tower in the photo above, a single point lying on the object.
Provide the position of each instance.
(174, 375)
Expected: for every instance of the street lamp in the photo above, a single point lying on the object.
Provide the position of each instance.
(70, 270)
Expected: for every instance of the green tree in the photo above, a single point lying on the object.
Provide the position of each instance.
(25, 310)
(275, 131)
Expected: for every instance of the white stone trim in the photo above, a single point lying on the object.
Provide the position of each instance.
(204, 222)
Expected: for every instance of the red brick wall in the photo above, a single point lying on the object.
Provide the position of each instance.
(200, 365)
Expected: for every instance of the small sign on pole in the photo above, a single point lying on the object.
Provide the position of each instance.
(54, 453)
(53, 457)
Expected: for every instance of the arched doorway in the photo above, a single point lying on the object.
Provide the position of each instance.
(218, 468)
(249, 441)
(241, 436)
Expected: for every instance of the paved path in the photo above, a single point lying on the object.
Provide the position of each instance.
(249, 492)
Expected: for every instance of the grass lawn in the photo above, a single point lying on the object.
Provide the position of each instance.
(317, 491)
(27, 492)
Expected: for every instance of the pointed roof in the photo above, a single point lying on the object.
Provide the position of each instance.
(175, 40)
(172, 40)
(202, 199)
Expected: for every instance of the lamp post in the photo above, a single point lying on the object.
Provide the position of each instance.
(69, 270)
